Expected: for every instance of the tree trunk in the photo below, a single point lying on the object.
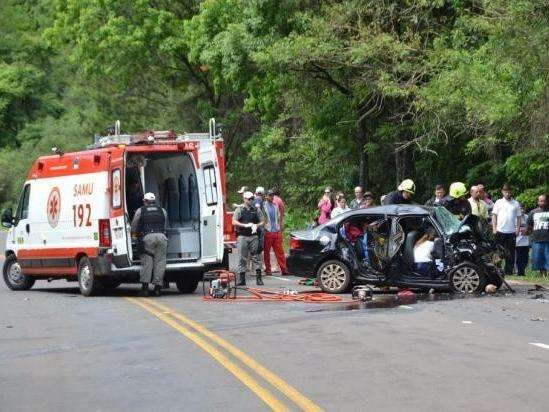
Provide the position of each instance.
(361, 137)
(402, 163)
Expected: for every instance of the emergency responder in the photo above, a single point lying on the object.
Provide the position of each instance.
(150, 223)
(457, 203)
(247, 219)
(403, 194)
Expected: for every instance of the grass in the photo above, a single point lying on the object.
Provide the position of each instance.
(531, 277)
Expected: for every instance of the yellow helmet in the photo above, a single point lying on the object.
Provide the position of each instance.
(407, 185)
(457, 190)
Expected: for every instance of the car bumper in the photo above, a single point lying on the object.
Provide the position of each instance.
(301, 265)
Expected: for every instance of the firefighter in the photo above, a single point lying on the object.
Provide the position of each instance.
(247, 219)
(403, 194)
(150, 223)
(457, 203)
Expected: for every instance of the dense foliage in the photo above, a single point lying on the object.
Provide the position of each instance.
(311, 93)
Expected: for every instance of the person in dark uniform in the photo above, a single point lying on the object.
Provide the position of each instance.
(150, 223)
(403, 194)
(457, 204)
(247, 219)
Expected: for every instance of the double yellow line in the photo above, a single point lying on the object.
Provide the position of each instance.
(210, 343)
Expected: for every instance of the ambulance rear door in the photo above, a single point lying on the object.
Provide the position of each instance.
(119, 221)
(211, 202)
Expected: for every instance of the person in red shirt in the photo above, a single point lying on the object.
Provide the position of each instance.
(277, 200)
(274, 226)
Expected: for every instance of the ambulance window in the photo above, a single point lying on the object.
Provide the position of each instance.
(116, 189)
(210, 184)
(23, 208)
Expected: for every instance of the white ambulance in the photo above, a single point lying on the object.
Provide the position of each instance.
(73, 217)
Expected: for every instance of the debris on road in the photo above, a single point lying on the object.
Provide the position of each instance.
(537, 319)
(491, 288)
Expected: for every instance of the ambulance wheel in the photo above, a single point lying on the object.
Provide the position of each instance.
(88, 283)
(188, 284)
(13, 275)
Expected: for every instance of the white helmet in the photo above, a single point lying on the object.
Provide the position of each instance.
(149, 197)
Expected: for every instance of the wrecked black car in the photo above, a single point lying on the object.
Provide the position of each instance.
(375, 246)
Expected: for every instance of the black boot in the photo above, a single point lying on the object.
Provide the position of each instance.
(157, 290)
(258, 279)
(144, 289)
(242, 281)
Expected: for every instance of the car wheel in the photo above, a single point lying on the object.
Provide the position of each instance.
(14, 277)
(334, 276)
(88, 283)
(187, 285)
(467, 278)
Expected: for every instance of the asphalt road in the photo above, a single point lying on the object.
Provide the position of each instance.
(60, 351)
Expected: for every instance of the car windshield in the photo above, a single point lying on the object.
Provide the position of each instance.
(447, 221)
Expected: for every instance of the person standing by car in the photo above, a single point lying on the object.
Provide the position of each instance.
(479, 207)
(277, 200)
(258, 198)
(522, 249)
(483, 195)
(403, 195)
(325, 206)
(439, 198)
(457, 204)
(359, 201)
(369, 200)
(538, 227)
(150, 223)
(247, 219)
(506, 224)
(341, 206)
(274, 226)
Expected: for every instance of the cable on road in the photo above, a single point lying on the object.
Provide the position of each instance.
(256, 294)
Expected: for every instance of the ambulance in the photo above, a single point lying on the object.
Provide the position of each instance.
(73, 217)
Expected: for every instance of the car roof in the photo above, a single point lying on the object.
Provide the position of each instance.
(391, 210)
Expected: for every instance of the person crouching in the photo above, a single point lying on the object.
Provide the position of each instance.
(246, 220)
(150, 224)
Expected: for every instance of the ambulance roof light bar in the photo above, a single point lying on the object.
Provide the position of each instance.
(115, 138)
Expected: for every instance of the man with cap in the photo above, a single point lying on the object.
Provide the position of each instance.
(247, 220)
(274, 225)
(506, 219)
(240, 192)
(259, 197)
(403, 194)
(150, 224)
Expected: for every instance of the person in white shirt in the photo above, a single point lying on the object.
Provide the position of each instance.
(506, 225)
(342, 207)
(423, 250)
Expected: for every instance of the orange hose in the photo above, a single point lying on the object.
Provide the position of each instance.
(271, 296)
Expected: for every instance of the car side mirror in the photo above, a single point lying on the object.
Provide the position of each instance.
(7, 218)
